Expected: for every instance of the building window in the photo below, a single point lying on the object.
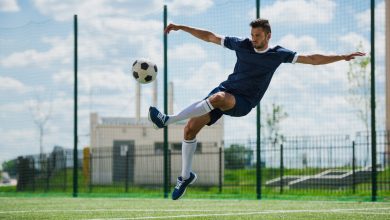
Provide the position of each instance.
(176, 146)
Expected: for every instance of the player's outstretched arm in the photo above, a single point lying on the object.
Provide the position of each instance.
(199, 33)
(319, 59)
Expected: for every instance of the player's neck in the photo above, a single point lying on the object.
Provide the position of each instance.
(261, 50)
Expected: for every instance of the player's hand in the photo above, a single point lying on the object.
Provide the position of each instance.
(171, 27)
(351, 56)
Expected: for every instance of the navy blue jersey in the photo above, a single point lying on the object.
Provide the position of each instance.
(253, 70)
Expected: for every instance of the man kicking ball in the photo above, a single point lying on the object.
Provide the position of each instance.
(236, 96)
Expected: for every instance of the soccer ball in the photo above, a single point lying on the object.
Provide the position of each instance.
(144, 71)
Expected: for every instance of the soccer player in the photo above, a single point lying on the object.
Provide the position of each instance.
(236, 96)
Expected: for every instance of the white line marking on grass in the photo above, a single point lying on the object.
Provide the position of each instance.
(250, 213)
(105, 210)
(367, 213)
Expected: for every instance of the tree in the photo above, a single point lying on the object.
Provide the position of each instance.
(273, 120)
(360, 90)
(10, 167)
(40, 118)
(237, 156)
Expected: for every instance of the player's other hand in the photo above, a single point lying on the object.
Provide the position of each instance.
(351, 56)
(171, 27)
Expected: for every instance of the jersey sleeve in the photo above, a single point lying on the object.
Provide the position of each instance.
(233, 43)
(288, 56)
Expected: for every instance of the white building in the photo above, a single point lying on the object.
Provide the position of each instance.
(116, 142)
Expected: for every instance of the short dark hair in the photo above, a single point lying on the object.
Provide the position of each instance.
(262, 23)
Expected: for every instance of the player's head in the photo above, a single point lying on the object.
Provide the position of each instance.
(261, 33)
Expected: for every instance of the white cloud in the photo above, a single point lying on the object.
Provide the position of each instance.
(90, 10)
(323, 115)
(299, 12)
(205, 77)
(187, 51)
(9, 84)
(101, 37)
(188, 7)
(301, 44)
(363, 19)
(352, 40)
(8, 108)
(59, 51)
(10, 148)
(98, 78)
(9, 6)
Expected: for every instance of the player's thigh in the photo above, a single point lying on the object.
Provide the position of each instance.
(194, 125)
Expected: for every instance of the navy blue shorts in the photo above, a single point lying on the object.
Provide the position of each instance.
(242, 107)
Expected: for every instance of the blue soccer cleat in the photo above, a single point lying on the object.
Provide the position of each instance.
(181, 186)
(157, 118)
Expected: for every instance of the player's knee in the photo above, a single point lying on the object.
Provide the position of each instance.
(222, 100)
(217, 100)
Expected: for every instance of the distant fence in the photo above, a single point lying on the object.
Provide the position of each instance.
(326, 166)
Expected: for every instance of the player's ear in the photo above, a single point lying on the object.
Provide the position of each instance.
(268, 36)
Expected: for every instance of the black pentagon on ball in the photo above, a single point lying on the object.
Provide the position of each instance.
(144, 66)
(135, 74)
(135, 62)
(155, 68)
(148, 78)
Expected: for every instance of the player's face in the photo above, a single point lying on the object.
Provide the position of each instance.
(259, 38)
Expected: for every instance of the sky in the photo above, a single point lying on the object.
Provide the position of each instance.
(36, 63)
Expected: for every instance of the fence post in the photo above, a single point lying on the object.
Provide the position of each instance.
(281, 169)
(33, 174)
(75, 138)
(258, 133)
(90, 171)
(353, 168)
(166, 174)
(47, 173)
(169, 167)
(127, 172)
(220, 170)
(64, 167)
(373, 126)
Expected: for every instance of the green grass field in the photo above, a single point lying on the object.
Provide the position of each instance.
(124, 208)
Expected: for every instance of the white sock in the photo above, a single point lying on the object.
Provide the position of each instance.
(188, 148)
(197, 109)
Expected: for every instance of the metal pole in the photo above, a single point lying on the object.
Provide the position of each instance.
(220, 170)
(127, 172)
(353, 168)
(90, 170)
(75, 156)
(258, 133)
(166, 180)
(373, 127)
(281, 169)
(47, 174)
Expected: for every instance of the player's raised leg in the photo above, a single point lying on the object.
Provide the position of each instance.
(221, 100)
(161, 120)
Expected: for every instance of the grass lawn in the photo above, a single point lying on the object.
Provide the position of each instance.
(148, 208)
